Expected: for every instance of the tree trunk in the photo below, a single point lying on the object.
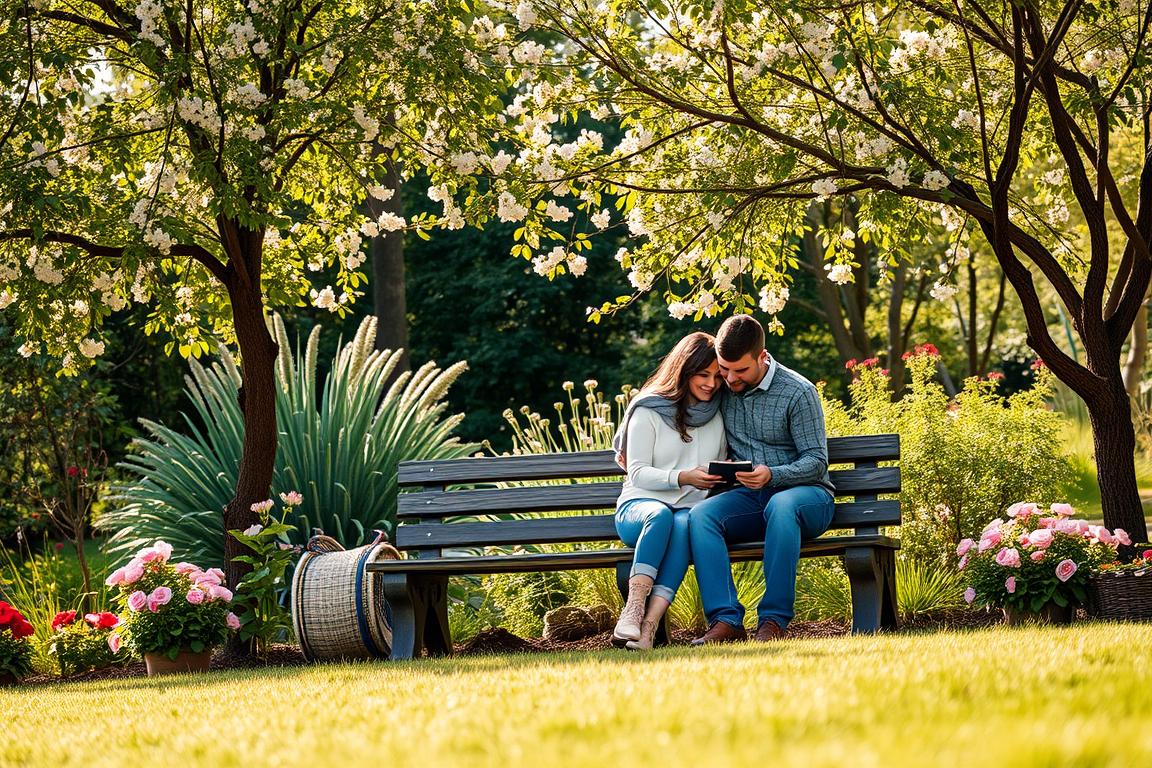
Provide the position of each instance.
(388, 285)
(1137, 352)
(258, 404)
(1115, 443)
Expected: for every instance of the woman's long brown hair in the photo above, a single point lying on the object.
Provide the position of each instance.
(692, 354)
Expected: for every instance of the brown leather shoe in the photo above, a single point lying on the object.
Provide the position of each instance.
(768, 631)
(721, 632)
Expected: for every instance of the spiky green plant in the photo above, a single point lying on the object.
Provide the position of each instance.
(338, 445)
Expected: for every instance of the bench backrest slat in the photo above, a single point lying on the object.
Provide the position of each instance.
(585, 528)
(575, 497)
(488, 469)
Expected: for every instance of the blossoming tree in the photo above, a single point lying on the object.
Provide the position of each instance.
(211, 159)
(975, 115)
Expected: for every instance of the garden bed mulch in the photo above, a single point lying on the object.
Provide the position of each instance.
(495, 641)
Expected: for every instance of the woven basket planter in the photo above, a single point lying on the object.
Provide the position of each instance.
(1123, 595)
(338, 609)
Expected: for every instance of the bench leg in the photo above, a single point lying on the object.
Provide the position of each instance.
(662, 637)
(430, 599)
(872, 575)
(396, 590)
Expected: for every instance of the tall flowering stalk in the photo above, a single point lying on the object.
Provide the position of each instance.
(583, 423)
(1032, 559)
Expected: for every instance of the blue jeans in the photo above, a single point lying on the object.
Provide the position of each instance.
(660, 535)
(781, 518)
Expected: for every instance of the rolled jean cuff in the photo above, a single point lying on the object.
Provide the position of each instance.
(667, 593)
(643, 569)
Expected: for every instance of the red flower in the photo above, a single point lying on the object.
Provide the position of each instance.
(906, 355)
(8, 614)
(850, 364)
(870, 361)
(995, 376)
(62, 619)
(21, 629)
(59, 546)
(102, 620)
(1038, 364)
(73, 471)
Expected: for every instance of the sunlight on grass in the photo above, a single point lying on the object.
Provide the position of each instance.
(1021, 697)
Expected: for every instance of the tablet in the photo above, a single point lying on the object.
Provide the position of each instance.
(728, 469)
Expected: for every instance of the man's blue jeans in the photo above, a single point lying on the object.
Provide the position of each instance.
(781, 518)
(660, 535)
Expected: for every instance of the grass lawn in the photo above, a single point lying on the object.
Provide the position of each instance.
(1007, 697)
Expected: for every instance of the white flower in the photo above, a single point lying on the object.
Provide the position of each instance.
(840, 273)
(381, 192)
(525, 15)
(27, 350)
(370, 229)
(499, 163)
(577, 265)
(91, 348)
(528, 52)
(508, 209)
(898, 173)
(681, 309)
(823, 189)
(967, 119)
(557, 212)
(7, 299)
(935, 180)
(255, 133)
(601, 220)
(390, 222)
(249, 95)
(942, 291)
(773, 300)
(1055, 177)
(464, 163)
(296, 89)
(325, 299)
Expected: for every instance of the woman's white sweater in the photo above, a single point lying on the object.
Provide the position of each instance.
(657, 455)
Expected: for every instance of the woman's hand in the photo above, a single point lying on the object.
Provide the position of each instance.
(698, 477)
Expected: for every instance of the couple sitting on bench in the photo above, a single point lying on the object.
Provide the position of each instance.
(712, 399)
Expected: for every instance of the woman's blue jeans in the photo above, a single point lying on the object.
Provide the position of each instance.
(660, 535)
(781, 518)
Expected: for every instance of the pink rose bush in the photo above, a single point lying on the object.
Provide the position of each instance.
(169, 607)
(1034, 557)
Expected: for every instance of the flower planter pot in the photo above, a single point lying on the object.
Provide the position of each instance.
(185, 661)
(1049, 614)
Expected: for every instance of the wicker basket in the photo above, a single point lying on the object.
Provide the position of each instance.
(338, 609)
(1123, 595)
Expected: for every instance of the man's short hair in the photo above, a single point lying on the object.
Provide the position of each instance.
(739, 336)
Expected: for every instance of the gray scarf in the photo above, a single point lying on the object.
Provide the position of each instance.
(697, 415)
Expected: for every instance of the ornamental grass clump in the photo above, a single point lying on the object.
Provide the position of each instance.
(82, 643)
(1030, 560)
(170, 608)
(15, 646)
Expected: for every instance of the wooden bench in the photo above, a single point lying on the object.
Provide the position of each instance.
(494, 516)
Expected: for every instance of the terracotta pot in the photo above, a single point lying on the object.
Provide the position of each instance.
(1049, 614)
(185, 661)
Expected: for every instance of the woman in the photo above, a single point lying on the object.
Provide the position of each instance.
(668, 435)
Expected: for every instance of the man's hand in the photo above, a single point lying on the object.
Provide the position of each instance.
(759, 477)
(698, 478)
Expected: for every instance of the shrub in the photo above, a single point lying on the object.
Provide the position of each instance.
(15, 644)
(81, 643)
(963, 460)
(262, 618)
(338, 445)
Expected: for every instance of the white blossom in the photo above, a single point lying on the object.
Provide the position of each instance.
(772, 300)
(601, 220)
(942, 291)
(508, 209)
(8, 299)
(823, 189)
(91, 348)
(557, 212)
(390, 222)
(297, 89)
(935, 180)
(381, 193)
(324, 299)
(840, 273)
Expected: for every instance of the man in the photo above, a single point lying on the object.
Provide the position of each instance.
(773, 419)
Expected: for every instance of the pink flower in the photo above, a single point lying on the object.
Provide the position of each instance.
(217, 592)
(292, 499)
(253, 529)
(217, 573)
(1022, 510)
(962, 564)
(1041, 537)
(1147, 554)
(1010, 584)
(186, 568)
(137, 600)
(1070, 527)
(988, 540)
(161, 551)
(262, 506)
(969, 595)
(1048, 522)
(160, 596)
(115, 578)
(1122, 537)
(195, 596)
(1102, 535)
(1064, 569)
(992, 526)
(1063, 510)
(133, 572)
(233, 621)
(114, 643)
(1037, 556)
(1022, 539)
(965, 545)
(1009, 558)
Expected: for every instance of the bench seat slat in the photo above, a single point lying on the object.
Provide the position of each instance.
(579, 496)
(603, 558)
(583, 528)
(486, 469)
